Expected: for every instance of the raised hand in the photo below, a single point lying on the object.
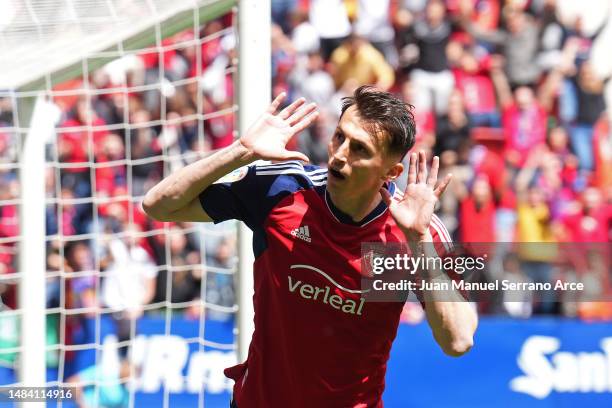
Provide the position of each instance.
(269, 135)
(414, 211)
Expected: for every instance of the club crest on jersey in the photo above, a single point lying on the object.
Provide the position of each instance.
(234, 176)
(302, 233)
(367, 261)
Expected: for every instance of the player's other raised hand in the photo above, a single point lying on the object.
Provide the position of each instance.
(414, 211)
(267, 137)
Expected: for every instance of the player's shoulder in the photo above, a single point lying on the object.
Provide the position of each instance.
(292, 172)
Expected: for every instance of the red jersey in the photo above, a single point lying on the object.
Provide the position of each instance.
(478, 221)
(602, 151)
(524, 129)
(316, 343)
(477, 91)
(76, 142)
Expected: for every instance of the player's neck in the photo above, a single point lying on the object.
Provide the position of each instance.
(358, 207)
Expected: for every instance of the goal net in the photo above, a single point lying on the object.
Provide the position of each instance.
(99, 100)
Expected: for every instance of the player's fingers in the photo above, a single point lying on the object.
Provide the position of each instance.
(422, 172)
(276, 102)
(442, 186)
(293, 155)
(301, 113)
(386, 196)
(433, 173)
(285, 113)
(305, 122)
(412, 162)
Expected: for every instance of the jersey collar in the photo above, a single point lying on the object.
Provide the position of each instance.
(346, 219)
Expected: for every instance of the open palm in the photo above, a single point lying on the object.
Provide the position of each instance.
(413, 212)
(269, 135)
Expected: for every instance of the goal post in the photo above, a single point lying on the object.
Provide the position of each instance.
(32, 245)
(46, 59)
(254, 95)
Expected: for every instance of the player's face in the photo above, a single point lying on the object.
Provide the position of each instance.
(359, 162)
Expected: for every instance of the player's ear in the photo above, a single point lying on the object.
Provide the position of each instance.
(394, 172)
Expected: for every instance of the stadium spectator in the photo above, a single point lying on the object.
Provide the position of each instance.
(452, 162)
(304, 35)
(219, 284)
(357, 60)
(552, 36)
(431, 76)
(477, 219)
(314, 141)
(55, 264)
(143, 144)
(558, 142)
(281, 10)
(129, 275)
(79, 142)
(129, 281)
(453, 129)
(310, 80)
(283, 59)
(373, 22)
(583, 93)
(473, 80)
(602, 145)
(109, 176)
(519, 43)
(185, 285)
(535, 234)
(516, 303)
(9, 216)
(523, 119)
(82, 288)
(591, 222)
(425, 117)
(330, 19)
(534, 219)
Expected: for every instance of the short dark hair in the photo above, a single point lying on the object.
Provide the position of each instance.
(384, 113)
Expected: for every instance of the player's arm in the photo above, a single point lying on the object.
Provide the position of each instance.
(452, 319)
(176, 198)
(500, 82)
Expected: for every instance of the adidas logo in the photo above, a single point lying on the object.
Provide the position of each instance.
(302, 233)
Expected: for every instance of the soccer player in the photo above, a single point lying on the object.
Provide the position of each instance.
(316, 343)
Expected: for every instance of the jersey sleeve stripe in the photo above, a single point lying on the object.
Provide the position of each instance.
(442, 228)
(442, 233)
(294, 170)
(291, 167)
(282, 165)
(314, 174)
(316, 177)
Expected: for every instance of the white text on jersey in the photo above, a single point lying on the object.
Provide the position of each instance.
(311, 292)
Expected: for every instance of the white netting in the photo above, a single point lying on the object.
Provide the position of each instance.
(39, 37)
(137, 310)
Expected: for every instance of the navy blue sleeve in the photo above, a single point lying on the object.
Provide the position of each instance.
(249, 193)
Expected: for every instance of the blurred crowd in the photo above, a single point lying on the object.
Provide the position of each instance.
(510, 94)
(507, 93)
